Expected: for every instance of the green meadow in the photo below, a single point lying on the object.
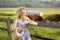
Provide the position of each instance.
(52, 33)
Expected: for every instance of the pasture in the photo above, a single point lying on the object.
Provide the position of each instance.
(41, 31)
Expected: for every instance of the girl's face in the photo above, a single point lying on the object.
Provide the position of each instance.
(22, 13)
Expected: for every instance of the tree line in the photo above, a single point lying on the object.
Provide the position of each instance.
(36, 4)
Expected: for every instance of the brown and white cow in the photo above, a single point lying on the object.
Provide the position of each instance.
(35, 17)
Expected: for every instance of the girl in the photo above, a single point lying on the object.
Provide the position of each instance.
(21, 25)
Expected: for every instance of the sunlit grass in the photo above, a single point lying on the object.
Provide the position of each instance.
(45, 32)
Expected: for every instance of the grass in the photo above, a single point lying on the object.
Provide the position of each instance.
(41, 31)
(46, 32)
(3, 33)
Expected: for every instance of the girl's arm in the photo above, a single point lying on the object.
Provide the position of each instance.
(15, 25)
(31, 22)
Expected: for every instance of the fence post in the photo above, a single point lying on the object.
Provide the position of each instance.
(9, 28)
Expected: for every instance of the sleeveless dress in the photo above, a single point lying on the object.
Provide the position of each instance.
(25, 35)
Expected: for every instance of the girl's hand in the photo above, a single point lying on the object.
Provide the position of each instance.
(25, 26)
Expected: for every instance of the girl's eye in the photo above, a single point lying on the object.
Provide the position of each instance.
(22, 12)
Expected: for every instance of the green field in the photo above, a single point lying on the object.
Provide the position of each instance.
(41, 31)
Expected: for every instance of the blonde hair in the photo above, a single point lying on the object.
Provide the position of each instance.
(20, 9)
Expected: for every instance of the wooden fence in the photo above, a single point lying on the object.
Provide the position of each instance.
(8, 21)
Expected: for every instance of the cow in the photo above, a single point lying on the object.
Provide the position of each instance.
(35, 17)
(53, 18)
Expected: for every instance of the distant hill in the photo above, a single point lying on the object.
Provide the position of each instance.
(29, 3)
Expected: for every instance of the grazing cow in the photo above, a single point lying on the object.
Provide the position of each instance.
(35, 17)
(53, 17)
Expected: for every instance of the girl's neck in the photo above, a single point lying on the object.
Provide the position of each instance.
(22, 19)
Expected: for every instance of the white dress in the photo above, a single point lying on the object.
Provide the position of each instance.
(25, 35)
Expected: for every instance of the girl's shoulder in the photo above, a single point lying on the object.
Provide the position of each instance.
(17, 19)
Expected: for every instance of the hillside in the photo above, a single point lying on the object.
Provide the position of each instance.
(30, 3)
